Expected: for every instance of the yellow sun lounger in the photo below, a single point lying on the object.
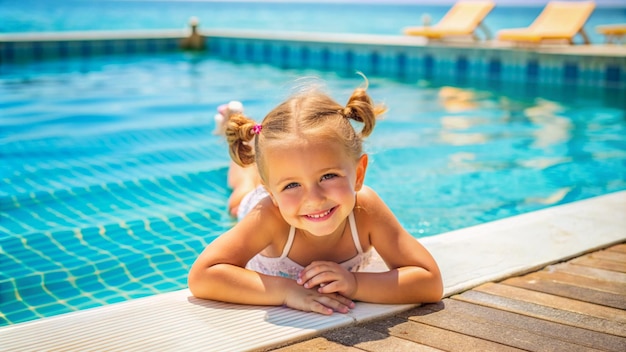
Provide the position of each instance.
(612, 31)
(559, 20)
(462, 19)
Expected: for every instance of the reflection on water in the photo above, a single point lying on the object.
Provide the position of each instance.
(520, 147)
(456, 99)
(551, 199)
(551, 128)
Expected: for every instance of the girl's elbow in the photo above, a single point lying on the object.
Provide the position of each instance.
(431, 290)
(197, 283)
(436, 291)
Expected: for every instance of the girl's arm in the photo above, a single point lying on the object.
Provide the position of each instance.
(414, 276)
(219, 272)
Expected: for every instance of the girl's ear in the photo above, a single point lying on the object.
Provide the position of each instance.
(361, 167)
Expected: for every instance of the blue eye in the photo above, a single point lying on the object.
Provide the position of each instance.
(291, 185)
(328, 176)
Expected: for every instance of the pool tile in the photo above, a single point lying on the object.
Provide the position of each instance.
(495, 68)
(53, 309)
(612, 75)
(429, 66)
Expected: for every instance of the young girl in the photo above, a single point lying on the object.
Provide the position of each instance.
(312, 223)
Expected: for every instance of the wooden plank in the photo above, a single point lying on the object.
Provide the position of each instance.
(370, 340)
(434, 336)
(585, 271)
(610, 256)
(584, 294)
(544, 312)
(507, 320)
(581, 281)
(548, 300)
(618, 248)
(317, 344)
(599, 264)
(485, 329)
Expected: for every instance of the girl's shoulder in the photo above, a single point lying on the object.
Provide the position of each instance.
(265, 223)
(370, 209)
(266, 215)
(367, 198)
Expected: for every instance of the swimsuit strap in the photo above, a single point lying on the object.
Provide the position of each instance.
(355, 237)
(292, 234)
(355, 234)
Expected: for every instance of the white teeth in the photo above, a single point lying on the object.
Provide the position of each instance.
(317, 216)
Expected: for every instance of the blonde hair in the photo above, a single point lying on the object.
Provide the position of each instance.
(307, 114)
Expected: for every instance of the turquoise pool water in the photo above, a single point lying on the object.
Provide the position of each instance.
(112, 182)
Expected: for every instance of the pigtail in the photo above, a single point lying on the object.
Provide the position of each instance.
(361, 108)
(239, 134)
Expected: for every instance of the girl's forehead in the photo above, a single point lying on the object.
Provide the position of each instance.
(304, 148)
(288, 161)
(302, 144)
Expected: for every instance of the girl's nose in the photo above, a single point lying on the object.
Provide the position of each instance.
(316, 195)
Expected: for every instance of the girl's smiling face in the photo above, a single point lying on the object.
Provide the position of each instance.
(313, 183)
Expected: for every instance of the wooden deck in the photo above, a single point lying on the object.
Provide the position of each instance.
(578, 305)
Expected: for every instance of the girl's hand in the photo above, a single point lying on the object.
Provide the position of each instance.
(310, 300)
(330, 277)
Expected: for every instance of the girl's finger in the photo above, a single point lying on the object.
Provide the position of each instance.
(336, 303)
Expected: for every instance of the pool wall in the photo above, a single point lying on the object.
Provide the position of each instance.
(401, 57)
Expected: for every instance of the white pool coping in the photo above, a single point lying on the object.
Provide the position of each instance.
(178, 322)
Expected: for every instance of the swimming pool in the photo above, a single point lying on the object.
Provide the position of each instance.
(113, 183)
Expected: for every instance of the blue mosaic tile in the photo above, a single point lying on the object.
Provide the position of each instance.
(462, 65)
(13, 305)
(52, 309)
(8, 50)
(415, 67)
(62, 289)
(532, 70)
(376, 62)
(429, 65)
(249, 52)
(388, 65)
(80, 301)
(38, 51)
(570, 71)
(152, 45)
(166, 286)
(350, 60)
(239, 51)
(283, 56)
(132, 46)
(325, 58)
(495, 68)
(23, 315)
(306, 56)
(64, 50)
(267, 52)
(35, 296)
(105, 295)
(612, 75)
(402, 63)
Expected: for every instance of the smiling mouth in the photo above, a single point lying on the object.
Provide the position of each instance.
(321, 215)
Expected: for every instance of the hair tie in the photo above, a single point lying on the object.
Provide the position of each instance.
(256, 129)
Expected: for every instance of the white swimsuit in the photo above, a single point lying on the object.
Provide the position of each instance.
(285, 267)
(250, 200)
